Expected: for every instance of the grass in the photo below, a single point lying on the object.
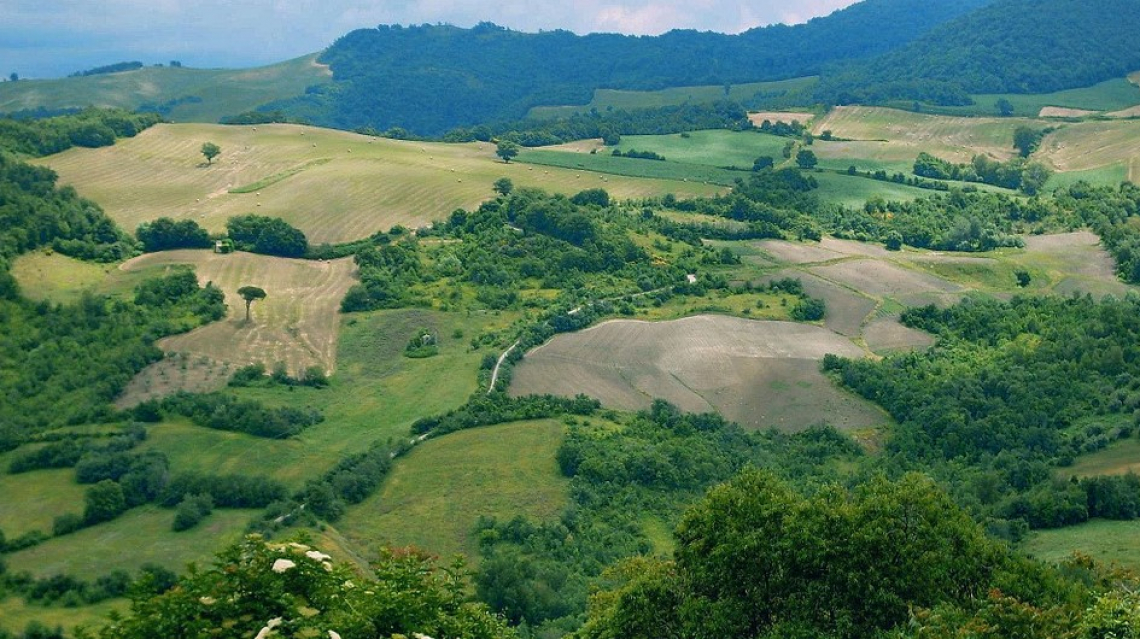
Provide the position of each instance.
(717, 148)
(33, 500)
(435, 495)
(1093, 146)
(49, 276)
(140, 536)
(333, 185)
(1119, 458)
(615, 99)
(15, 615)
(1110, 95)
(1108, 542)
(213, 93)
(376, 394)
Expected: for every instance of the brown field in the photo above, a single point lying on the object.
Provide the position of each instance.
(847, 310)
(879, 278)
(1062, 112)
(177, 372)
(797, 252)
(779, 116)
(297, 323)
(335, 186)
(886, 335)
(760, 374)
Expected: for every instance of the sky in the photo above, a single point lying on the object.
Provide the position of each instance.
(52, 38)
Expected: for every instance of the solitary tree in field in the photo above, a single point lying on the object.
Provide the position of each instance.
(211, 151)
(250, 294)
(504, 186)
(806, 159)
(507, 150)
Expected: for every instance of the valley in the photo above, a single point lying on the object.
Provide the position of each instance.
(634, 375)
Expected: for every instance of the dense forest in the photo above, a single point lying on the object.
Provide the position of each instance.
(393, 76)
(1009, 46)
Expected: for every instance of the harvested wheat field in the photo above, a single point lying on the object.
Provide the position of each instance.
(890, 136)
(759, 374)
(297, 323)
(335, 186)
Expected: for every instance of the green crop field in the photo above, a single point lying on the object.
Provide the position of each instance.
(718, 148)
(435, 494)
(333, 185)
(615, 99)
(202, 95)
(33, 500)
(1109, 542)
(139, 537)
(1108, 96)
(15, 614)
(46, 275)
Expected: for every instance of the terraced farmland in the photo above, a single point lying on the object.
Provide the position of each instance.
(333, 185)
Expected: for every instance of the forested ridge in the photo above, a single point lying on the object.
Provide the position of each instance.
(1008, 46)
(395, 76)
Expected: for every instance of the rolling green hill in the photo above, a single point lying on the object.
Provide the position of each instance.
(181, 94)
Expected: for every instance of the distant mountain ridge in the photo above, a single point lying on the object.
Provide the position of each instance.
(432, 78)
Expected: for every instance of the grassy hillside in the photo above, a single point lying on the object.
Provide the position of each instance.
(181, 94)
(1111, 542)
(334, 186)
(435, 496)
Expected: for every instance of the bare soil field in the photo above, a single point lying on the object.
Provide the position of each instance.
(879, 278)
(297, 323)
(886, 335)
(847, 310)
(797, 252)
(760, 374)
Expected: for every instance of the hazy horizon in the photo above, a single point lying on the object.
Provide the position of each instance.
(43, 40)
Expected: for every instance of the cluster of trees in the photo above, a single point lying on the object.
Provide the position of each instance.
(225, 412)
(118, 67)
(640, 155)
(164, 234)
(1110, 212)
(266, 235)
(610, 125)
(757, 558)
(88, 128)
(1010, 391)
(86, 352)
(257, 375)
(1016, 174)
(659, 462)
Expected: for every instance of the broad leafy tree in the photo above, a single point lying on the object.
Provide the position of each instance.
(211, 151)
